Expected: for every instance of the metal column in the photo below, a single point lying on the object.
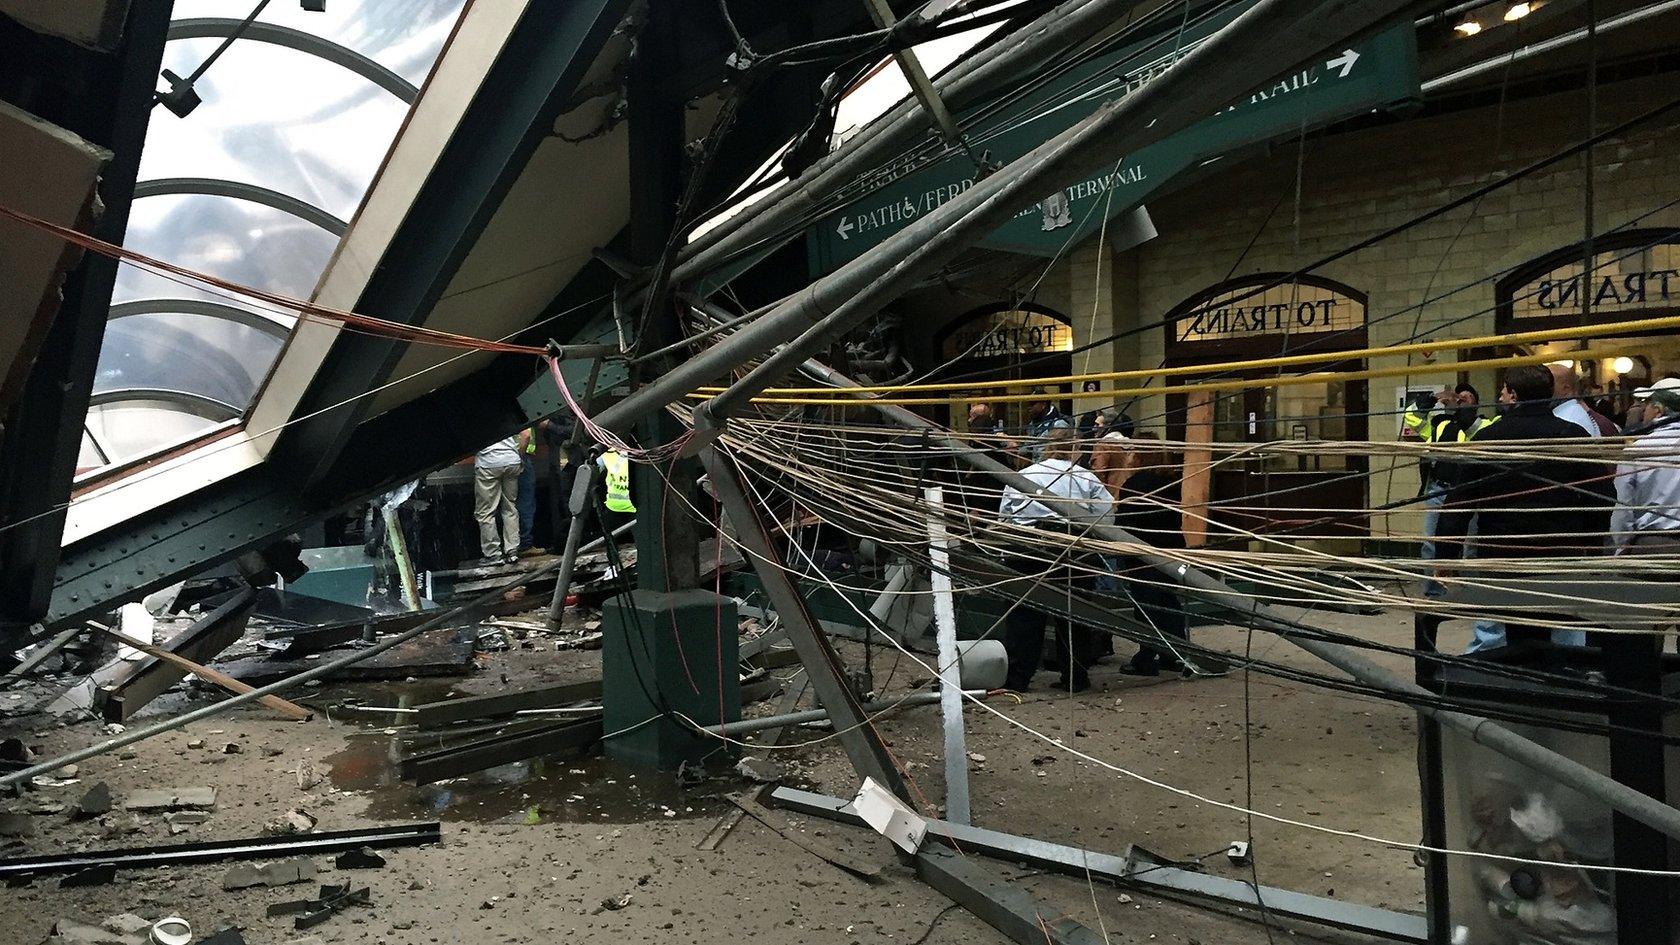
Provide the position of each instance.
(950, 669)
(580, 501)
(667, 543)
(107, 101)
(868, 756)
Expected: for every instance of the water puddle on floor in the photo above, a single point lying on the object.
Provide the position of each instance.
(565, 788)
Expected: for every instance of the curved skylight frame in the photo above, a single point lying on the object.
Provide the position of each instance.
(216, 27)
(470, 44)
(150, 300)
(234, 190)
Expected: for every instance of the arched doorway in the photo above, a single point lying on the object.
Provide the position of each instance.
(1251, 318)
(1003, 342)
(1635, 275)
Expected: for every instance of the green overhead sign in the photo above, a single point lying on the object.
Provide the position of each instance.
(1380, 72)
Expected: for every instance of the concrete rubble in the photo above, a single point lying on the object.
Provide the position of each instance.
(152, 800)
(283, 873)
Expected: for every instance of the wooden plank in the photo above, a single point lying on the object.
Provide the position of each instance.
(125, 687)
(289, 709)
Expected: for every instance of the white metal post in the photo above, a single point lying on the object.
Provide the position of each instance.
(950, 670)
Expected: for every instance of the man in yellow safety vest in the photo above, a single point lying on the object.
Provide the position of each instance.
(1460, 421)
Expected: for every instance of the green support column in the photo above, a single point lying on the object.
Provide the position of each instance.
(676, 646)
(669, 643)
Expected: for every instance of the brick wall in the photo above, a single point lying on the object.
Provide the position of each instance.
(1356, 184)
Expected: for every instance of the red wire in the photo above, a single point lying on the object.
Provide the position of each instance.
(664, 556)
(307, 310)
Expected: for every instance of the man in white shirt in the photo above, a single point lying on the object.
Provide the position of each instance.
(1081, 496)
(1647, 516)
(1080, 500)
(496, 471)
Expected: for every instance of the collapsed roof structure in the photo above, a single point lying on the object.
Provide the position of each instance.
(519, 209)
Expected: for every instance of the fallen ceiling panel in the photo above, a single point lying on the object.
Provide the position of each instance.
(97, 24)
(33, 267)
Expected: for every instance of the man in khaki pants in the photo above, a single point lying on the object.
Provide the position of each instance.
(496, 488)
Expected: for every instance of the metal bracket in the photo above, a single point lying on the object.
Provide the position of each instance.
(911, 66)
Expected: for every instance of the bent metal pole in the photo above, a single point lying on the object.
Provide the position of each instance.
(1619, 797)
(1266, 40)
(1067, 28)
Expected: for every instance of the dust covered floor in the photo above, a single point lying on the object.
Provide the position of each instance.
(586, 850)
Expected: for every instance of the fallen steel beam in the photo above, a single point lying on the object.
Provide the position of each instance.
(949, 664)
(257, 848)
(920, 84)
(41, 654)
(214, 676)
(517, 744)
(1138, 869)
(822, 665)
(583, 492)
(998, 902)
(119, 699)
(433, 715)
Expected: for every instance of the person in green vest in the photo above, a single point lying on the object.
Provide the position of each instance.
(1459, 420)
(615, 487)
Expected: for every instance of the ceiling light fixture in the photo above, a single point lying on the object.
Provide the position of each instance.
(1518, 10)
(1468, 28)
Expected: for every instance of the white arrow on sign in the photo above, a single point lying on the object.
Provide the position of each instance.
(1346, 61)
(845, 229)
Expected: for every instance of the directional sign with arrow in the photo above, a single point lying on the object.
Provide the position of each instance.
(1343, 63)
(1377, 73)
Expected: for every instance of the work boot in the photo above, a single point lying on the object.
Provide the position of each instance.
(1140, 667)
(1079, 683)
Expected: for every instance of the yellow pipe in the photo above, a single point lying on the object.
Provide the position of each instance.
(1232, 384)
(1291, 360)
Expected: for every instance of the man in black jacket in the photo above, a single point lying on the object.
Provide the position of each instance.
(1148, 507)
(1528, 508)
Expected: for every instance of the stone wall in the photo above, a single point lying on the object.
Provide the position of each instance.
(1254, 218)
